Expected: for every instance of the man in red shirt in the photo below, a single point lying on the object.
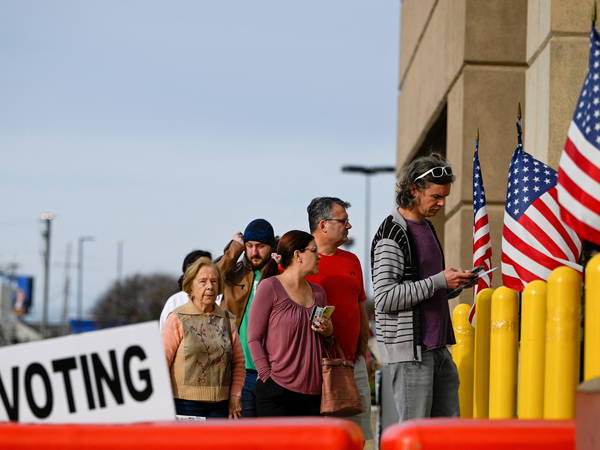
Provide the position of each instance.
(340, 274)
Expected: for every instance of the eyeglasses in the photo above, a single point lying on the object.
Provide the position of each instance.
(346, 222)
(437, 172)
(313, 249)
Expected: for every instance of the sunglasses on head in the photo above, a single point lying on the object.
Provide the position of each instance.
(437, 172)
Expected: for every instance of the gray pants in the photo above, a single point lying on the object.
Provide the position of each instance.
(428, 388)
(363, 419)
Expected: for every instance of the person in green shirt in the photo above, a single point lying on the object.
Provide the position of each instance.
(241, 281)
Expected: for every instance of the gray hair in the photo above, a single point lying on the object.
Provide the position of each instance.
(410, 173)
(320, 209)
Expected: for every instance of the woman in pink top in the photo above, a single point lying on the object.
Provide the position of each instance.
(286, 347)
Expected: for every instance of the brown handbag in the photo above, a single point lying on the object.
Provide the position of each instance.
(340, 396)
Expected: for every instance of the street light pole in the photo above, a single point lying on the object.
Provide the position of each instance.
(367, 171)
(82, 239)
(119, 260)
(66, 290)
(367, 229)
(47, 218)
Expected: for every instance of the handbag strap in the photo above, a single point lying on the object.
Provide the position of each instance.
(334, 349)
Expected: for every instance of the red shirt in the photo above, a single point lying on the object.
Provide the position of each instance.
(341, 277)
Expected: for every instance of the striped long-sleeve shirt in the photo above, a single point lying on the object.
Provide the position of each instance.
(398, 291)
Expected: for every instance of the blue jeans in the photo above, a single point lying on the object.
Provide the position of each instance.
(210, 410)
(427, 388)
(249, 394)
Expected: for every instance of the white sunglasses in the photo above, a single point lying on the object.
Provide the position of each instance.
(437, 172)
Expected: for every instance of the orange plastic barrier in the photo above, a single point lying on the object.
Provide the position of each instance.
(246, 434)
(480, 434)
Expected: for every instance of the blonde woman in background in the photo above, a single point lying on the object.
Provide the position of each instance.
(203, 350)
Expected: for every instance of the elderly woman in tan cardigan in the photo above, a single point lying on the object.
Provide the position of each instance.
(203, 349)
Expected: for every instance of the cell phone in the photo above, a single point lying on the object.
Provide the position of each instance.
(328, 311)
(316, 311)
(471, 283)
(321, 311)
(476, 269)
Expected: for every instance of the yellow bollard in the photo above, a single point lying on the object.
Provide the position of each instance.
(591, 366)
(481, 366)
(532, 353)
(562, 343)
(503, 353)
(462, 354)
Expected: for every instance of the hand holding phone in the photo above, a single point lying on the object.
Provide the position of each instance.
(321, 311)
(479, 274)
(475, 271)
(319, 319)
(455, 278)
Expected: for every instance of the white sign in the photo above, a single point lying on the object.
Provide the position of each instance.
(118, 375)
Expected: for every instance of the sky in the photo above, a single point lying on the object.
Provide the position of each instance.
(169, 125)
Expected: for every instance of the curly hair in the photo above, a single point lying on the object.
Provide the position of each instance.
(410, 173)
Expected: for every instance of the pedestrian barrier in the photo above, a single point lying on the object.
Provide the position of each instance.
(255, 434)
(462, 354)
(592, 319)
(481, 369)
(503, 353)
(562, 343)
(547, 355)
(532, 352)
(478, 434)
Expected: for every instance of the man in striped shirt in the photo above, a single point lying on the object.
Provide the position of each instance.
(411, 286)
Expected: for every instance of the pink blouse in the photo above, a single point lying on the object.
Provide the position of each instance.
(280, 338)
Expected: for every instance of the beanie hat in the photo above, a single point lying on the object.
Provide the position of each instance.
(260, 230)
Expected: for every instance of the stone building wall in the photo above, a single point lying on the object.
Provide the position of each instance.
(474, 61)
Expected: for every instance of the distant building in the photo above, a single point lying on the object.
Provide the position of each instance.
(13, 303)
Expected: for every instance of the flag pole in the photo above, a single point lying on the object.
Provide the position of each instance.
(594, 14)
(519, 129)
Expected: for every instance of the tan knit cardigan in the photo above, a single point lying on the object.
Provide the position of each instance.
(204, 354)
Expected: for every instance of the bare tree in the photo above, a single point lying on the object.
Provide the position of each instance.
(137, 298)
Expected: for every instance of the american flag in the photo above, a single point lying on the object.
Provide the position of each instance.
(534, 239)
(579, 168)
(482, 248)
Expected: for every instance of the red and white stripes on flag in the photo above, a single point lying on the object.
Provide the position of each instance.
(482, 247)
(579, 168)
(535, 240)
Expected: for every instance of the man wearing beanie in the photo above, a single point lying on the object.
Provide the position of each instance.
(241, 279)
